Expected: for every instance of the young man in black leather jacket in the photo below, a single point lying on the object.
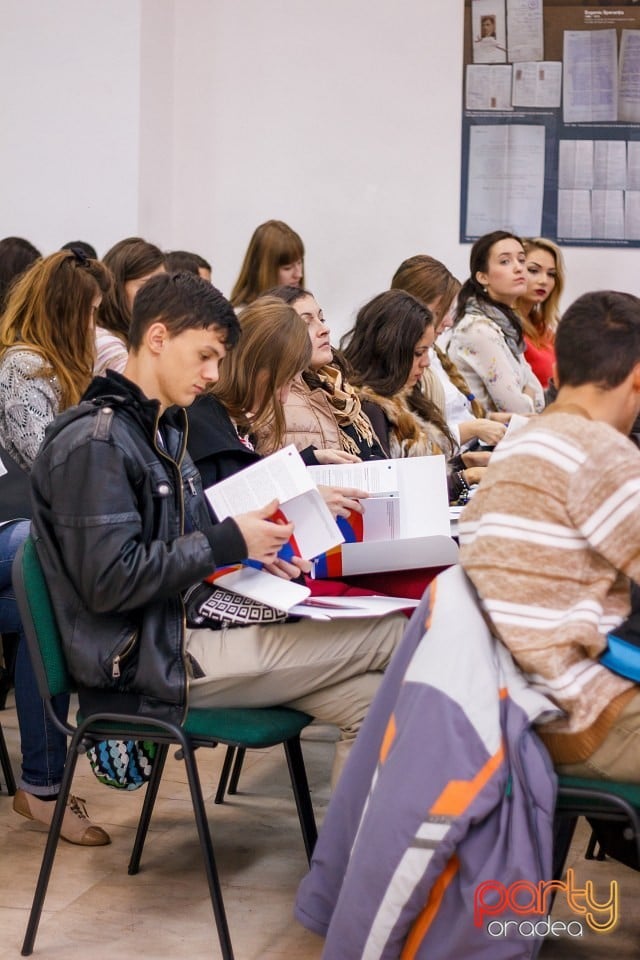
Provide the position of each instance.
(122, 528)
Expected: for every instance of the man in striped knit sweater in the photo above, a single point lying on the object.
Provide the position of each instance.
(551, 538)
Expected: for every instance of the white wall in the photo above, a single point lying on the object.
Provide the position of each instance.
(192, 121)
(70, 109)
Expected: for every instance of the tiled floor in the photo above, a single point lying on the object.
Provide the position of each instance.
(95, 910)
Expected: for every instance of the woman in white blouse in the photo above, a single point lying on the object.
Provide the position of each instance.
(487, 344)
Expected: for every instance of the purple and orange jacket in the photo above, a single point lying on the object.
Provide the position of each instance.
(447, 787)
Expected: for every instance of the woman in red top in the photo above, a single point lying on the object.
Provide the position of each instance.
(538, 306)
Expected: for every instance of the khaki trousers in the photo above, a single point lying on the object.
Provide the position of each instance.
(618, 756)
(330, 670)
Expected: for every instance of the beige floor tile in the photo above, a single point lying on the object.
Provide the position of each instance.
(94, 909)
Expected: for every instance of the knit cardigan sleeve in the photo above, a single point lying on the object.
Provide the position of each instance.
(28, 404)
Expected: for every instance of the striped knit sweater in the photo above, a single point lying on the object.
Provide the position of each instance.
(549, 541)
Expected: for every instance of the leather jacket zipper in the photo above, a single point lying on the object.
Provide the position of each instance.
(115, 663)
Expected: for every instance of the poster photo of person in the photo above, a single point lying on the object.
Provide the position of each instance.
(489, 31)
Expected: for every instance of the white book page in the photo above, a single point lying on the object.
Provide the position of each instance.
(332, 608)
(609, 165)
(575, 165)
(264, 587)
(488, 87)
(574, 214)
(633, 165)
(537, 84)
(607, 214)
(280, 477)
(374, 476)
(632, 214)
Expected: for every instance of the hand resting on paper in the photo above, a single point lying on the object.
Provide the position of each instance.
(335, 456)
(263, 537)
(343, 500)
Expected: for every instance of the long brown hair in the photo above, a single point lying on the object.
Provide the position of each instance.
(380, 350)
(273, 348)
(431, 282)
(540, 326)
(128, 259)
(273, 245)
(49, 312)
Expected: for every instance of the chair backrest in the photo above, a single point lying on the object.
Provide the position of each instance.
(38, 620)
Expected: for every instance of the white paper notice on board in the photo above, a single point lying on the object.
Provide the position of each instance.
(537, 84)
(590, 92)
(629, 77)
(574, 214)
(524, 24)
(488, 87)
(506, 179)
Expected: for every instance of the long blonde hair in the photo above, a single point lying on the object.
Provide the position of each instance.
(274, 347)
(273, 245)
(540, 326)
(49, 311)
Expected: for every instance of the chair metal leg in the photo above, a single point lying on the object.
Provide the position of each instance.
(50, 848)
(147, 807)
(224, 775)
(563, 830)
(237, 770)
(591, 853)
(206, 845)
(300, 786)
(5, 763)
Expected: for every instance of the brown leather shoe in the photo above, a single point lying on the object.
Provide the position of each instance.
(76, 825)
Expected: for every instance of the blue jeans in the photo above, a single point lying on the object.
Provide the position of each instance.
(44, 747)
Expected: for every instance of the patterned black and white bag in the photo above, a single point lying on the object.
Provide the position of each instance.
(208, 605)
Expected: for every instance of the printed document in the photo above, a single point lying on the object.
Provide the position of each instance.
(282, 477)
(537, 84)
(629, 77)
(524, 23)
(488, 87)
(590, 76)
(506, 179)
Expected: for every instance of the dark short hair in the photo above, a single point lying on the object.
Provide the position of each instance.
(185, 260)
(16, 254)
(182, 301)
(598, 339)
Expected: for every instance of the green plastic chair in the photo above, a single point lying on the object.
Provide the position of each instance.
(255, 728)
(596, 800)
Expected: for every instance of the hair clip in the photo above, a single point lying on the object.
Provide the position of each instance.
(79, 256)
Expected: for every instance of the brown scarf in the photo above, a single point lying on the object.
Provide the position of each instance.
(347, 408)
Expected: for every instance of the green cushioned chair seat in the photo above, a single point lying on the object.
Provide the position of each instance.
(253, 727)
(628, 791)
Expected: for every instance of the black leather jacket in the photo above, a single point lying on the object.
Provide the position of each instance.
(122, 529)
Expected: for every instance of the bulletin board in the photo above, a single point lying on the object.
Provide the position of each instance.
(551, 121)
